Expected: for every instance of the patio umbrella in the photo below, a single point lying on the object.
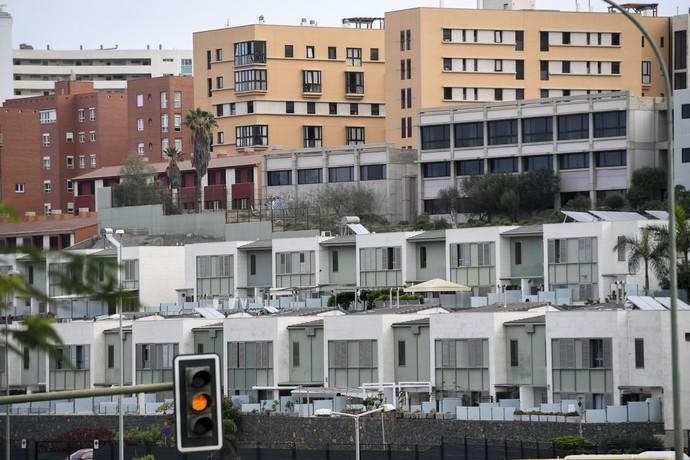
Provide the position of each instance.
(437, 285)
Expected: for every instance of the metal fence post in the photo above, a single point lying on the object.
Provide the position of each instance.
(522, 449)
(258, 450)
(443, 449)
(464, 447)
(505, 449)
(328, 451)
(416, 452)
(538, 451)
(389, 451)
(293, 451)
(486, 448)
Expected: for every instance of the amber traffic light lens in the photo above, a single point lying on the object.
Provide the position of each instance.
(201, 402)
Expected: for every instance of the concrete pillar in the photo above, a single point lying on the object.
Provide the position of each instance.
(526, 397)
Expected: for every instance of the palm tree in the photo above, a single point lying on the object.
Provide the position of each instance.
(682, 235)
(200, 124)
(174, 156)
(646, 250)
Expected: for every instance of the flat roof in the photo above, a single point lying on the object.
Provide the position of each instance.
(414, 322)
(525, 230)
(47, 226)
(317, 324)
(431, 235)
(541, 319)
(258, 244)
(345, 240)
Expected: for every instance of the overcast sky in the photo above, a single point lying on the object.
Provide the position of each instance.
(66, 24)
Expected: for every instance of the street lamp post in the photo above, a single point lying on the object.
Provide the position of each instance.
(675, 372)
(382, 408)
(121, 417)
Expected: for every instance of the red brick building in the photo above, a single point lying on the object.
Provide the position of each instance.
(156, 110)
(78, 129)
(20, 145)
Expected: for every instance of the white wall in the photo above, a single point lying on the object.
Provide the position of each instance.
(6, 83)
(681, 138)
(161, 271)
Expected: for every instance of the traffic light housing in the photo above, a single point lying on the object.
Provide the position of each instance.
(198, 403)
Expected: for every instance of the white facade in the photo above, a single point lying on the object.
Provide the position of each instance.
(681, 137)
(159, 269)
(35, 71)
(6, 82)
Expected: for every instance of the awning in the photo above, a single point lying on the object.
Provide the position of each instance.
(437, 285)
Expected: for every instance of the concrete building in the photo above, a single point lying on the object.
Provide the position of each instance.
(303, 176)
(681, 137)
(156, 108)
(79, 129)
(291, 87)
(678, 66)
(35, 71)
(442, 56)
(593, 143)
(6, 82)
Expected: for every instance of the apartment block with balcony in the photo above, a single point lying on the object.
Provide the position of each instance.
(436, 57)
(156, 110)
(593, 143)
(283, 87)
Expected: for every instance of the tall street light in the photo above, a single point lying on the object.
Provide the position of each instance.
(121, 417)
(677, 427)
(329, 412)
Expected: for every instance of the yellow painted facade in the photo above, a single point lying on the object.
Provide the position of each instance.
(461, 62)
(332, 106)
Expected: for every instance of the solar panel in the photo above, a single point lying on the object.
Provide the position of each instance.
(645, 302)
(358, 229)
(578, 216)
(617, 216)
(666, 302)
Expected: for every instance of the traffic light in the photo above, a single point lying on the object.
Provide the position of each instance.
(198, 403)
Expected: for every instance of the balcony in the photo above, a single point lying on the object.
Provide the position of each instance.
(85, 201)
(215, 197)
(243, 191)
(187, 197)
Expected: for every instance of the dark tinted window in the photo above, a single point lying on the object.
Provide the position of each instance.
(280, 177)
(435, 137)
(611, 158)
(469, 167)
(609, 124)
(537, 129)
(574, 160)
(438, 169)
(341, 174)
(573, 126)
(537, 162)
(309, 176)
(469, 134)
(372, 172)
(502, 132)
(503, 165)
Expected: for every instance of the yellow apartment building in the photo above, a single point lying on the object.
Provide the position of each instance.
(283, 87)
(439, 57)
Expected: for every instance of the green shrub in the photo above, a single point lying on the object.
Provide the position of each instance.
(631, 444)
(575, 443)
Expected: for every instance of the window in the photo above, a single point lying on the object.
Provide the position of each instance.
(332, 54)
(408, 39)
(646, 72)
(219, 82)
(679, 49)
(251, 52)
(435, 137)
(610, 158)
(685, 155)
(537, 162)
(311, 108)
(498, 65)
(402, 69)
(573, 126)
(543, 41)
(46, 139)
(92, 114)
(375, 109)
(250, 106)
(220, 135)
(279, 177)
(80, 113)
(354, 135)
(47, 186)
(403, 128)
(289, 107)
(309, 176)
(353, 56)
(312, 136)
(520, 69)
(373, 54)
(289, 52)
(82, 162)
(140, 124)
(616, 68)
(565, 66)
(232, 109)
(252, 264)
(334, 262)
(408, 69)
(401, 353)
(164, 97)
(469, 134)
(422, 257)
(596, 353)
(469, 167)
(447, 35)
(609, 124)
(519, 40)
(311, 81)
(252, 135)
(685, 111)
(92, 157)
(164, 122)
(447, 64)
(514, 362)
(639, 353)
(403, 97)
(565, 38)
(26, 358)
(332, 108)
(178, 122)
(437, 169)
(92, 136)
(537, 129)
(19, 188)
(250, 80)
(46, 163)
(574, 160)
(621, 248)
(310, 52)
(295, 354)
(341, 174)
(111, 356)
(498, 94)
(503, 165)
(140, 100)
(48, 116)
(402, 40)
(615, 39)
(502, 132)
(372, 172)
(70, 162)
(680, 80)
(544, 70)
(354, 109)
(165, 143)
(354, 82)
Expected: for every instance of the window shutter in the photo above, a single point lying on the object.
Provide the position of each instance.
(552, 251)
(87, 357)
(341, 354)
(232, 355)
(260, 355)
(608, 362)
(445, 354)
(609, 399)
(589, 401)
(567, 353)
(476, 349)
(586, 364)
(140, 356)
(365, 354)
(453, 255)
(240, 355)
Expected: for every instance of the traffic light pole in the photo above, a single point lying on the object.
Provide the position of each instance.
(74, 394)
